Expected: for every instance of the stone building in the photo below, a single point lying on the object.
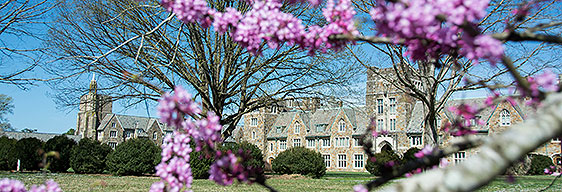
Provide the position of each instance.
(333, 130)
(97, 121)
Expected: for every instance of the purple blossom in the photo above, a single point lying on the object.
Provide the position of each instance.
(223, 21)
(482, 47)
(545, 82)
(188, 11)
(9, 185)
(173, 108)
(227, 168)
(427, 150)
(176, 172)
(157, 187)
(360, 188)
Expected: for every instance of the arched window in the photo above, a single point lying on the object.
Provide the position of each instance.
(154, 135)
(342, 126)
(505, 118)
(297, 128)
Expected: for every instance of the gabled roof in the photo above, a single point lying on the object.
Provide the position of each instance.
(41, 136)
(415, 125)
(133, 122)
(283, 121)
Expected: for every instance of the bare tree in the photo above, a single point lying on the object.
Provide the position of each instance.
(20, 23)
(440, 79)
(140, 51)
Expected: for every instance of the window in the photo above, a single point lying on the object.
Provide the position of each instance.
(342, 161)
(296, 142)
(271, 146)
(392, 106)
(155, 135)
(128, 134)
(459, 157)
(282, 144)
(112, 124)
(320, 127)
(380, 107)
(392, 124)
(438, 122)
(326, 160)
(112, 145)
(253, 134)
(113, 134)
(356, 142)
(342, 141)
(380, 124)
(556, 139)
(358, 161)
(168, 133)
(505, 118)
(254, 121)
(342, 126)
(325, 142)
(415, 140)
(278, 129)
(311, 143)
(297, 128)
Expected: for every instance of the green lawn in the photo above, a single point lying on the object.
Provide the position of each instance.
(333, 181)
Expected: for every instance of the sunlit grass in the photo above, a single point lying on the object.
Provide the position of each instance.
(332, 181)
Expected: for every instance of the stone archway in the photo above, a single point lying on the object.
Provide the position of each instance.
(384, 146)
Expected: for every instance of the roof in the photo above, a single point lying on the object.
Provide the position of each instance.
(133, 122)
(415, 125)
(320, 118)
(41, 136)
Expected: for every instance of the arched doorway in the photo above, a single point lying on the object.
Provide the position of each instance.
(385, 146)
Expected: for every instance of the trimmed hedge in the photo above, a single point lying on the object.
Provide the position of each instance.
(134, 157)
(409, 154)
(29, 151)
(538, 164)
(200, 163)
(299, 160)
(8, 158)
(379, 167)
(255, 153)
(89, 156)
(63, 145)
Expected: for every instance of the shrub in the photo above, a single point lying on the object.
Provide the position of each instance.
(63, 145)
(253, 150)
(29, 151)
(299, 160)
(538, 164)
(380, 166)
(200, 165)
(7, 153)
(133, 157)
(409, 154)
(89, 156)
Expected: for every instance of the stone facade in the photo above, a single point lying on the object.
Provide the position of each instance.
(97, 121)
(297, 122)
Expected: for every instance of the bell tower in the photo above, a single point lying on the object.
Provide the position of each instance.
(93, 107)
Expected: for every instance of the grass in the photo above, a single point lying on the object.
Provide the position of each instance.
(332, 181)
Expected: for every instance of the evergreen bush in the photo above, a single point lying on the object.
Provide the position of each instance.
(134, 157)
(29, 151)
(89, 156)
(538, 164)
(63, 145)
(409, 154)
(380, 166)
(253, 150)
(299, 160)
(8, 158)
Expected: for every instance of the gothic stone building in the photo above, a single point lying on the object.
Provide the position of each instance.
(333, 130)
(97, 121)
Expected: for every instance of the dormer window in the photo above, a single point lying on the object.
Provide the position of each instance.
(297, 128)
(342, 126)
(505, 118)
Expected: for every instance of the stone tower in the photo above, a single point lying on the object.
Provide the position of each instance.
(390, 107)
(93, 107)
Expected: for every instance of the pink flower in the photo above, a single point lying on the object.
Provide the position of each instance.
(9, 185)
(360, 188)
(427, 150)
